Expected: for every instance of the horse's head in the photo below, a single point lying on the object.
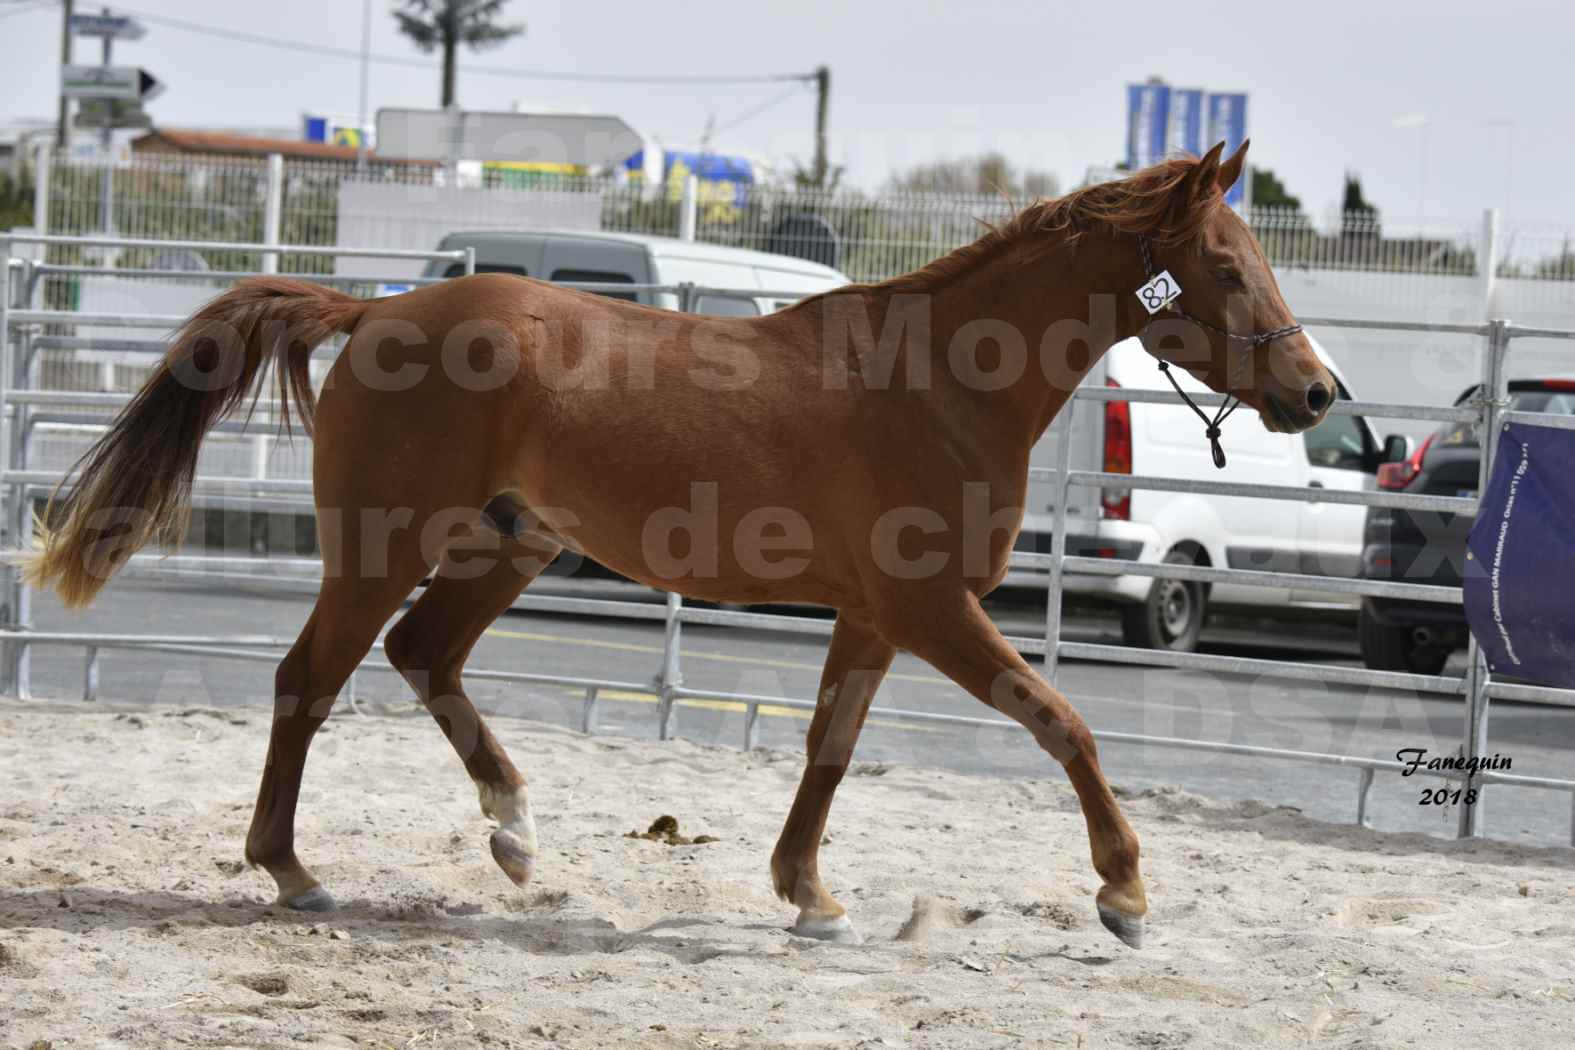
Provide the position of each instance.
(1228, 324)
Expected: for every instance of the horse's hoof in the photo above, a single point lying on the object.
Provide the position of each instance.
(838, 930)
(314, 899)
(509, 851)
(1128, 928)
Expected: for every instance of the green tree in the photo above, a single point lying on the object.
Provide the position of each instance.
(16, 201)
(1560, 267)
(1353, 203)
(1269, 192)
(444, 25)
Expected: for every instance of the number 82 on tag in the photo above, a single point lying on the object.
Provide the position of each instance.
(1159, 292)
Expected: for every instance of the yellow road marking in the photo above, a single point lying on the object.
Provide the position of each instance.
(689, 654)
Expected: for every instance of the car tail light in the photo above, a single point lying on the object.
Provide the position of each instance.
(1394, 476)
(1117, 504)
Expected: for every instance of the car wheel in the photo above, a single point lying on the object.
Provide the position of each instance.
(1172, 617)
(1388, 648)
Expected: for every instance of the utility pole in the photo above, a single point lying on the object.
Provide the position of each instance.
(61, 129)
(366, 57)
(822, 103)
(107, 144)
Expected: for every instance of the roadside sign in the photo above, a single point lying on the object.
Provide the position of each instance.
(1148, 109)
(119, 27)
(1227, 123)
(125, 82)
(115, 112)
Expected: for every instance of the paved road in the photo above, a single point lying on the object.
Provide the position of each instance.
(1309, 716)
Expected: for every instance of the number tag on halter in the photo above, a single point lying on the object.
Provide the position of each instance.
(1158, 292)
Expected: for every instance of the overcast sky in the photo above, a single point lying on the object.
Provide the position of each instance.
(1041, 80)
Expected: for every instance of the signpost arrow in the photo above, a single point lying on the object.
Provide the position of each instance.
(131, 83)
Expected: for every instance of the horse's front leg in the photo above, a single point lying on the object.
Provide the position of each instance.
(857, 660)
(952, 632)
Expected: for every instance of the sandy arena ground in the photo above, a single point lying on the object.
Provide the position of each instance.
(127, 921)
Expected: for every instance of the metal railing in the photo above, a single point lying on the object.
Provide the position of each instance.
(1475, 687)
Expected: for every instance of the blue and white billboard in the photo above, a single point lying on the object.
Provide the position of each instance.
(1228, 123)
(1148, 117)
(1163, 121)
(1185, 132)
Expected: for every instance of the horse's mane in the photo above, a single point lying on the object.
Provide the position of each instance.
(1143, 203)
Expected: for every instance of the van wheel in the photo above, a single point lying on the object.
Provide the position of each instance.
(1386, 648)
(1172, 617)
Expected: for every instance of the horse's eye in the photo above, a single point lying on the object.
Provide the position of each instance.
(1230, 277)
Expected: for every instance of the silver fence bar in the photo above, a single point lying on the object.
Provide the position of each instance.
(233, 647)
(1058, 542)
(1263, 668)
(1492, 399)
(1393, 500)
(57, 269)
(1264, 578)
(24, 237)
(1381, 409)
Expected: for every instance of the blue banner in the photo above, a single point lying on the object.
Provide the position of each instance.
(1148, 113)
(1185, 134)
(1520, 561)
(1228, 123)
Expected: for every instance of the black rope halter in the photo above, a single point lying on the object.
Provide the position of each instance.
(1211, 427)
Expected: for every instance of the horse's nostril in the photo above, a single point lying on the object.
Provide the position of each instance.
(1318, 398)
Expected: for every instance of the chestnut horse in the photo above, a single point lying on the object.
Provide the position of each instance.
(866, 449)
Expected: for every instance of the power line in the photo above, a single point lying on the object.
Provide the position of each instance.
(757, 110)
(22, 7)
(496, 71)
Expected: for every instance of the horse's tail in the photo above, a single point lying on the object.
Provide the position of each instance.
(134, 484)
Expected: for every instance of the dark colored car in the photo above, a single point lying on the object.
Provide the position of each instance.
(1426, 547)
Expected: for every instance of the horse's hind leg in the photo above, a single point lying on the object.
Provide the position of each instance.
(856, 662)
(343, 625)
(429, 646)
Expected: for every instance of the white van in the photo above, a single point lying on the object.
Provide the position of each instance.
(1322, 539)
(592, 257)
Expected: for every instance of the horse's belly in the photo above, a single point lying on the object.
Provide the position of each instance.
(719, 529)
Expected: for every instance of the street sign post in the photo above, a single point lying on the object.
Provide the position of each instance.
(111, 95)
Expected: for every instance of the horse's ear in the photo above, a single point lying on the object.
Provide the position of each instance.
(1197, 187)
(1231, 170)
(1201, 182)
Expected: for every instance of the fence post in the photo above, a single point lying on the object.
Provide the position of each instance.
(671, 676)
(688, 208)
(12, 575)
(90, 674)
(1058, 539)
(41, 175)
(1489, 263)
(273, 209)
(1491, 400)
(1364, 787)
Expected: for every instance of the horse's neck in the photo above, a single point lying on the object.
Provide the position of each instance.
(1065, 305)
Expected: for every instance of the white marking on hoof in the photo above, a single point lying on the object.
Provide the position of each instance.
(509, 852)
(514, 843)
(314, 899)
(1128, 928)
(838, 930)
